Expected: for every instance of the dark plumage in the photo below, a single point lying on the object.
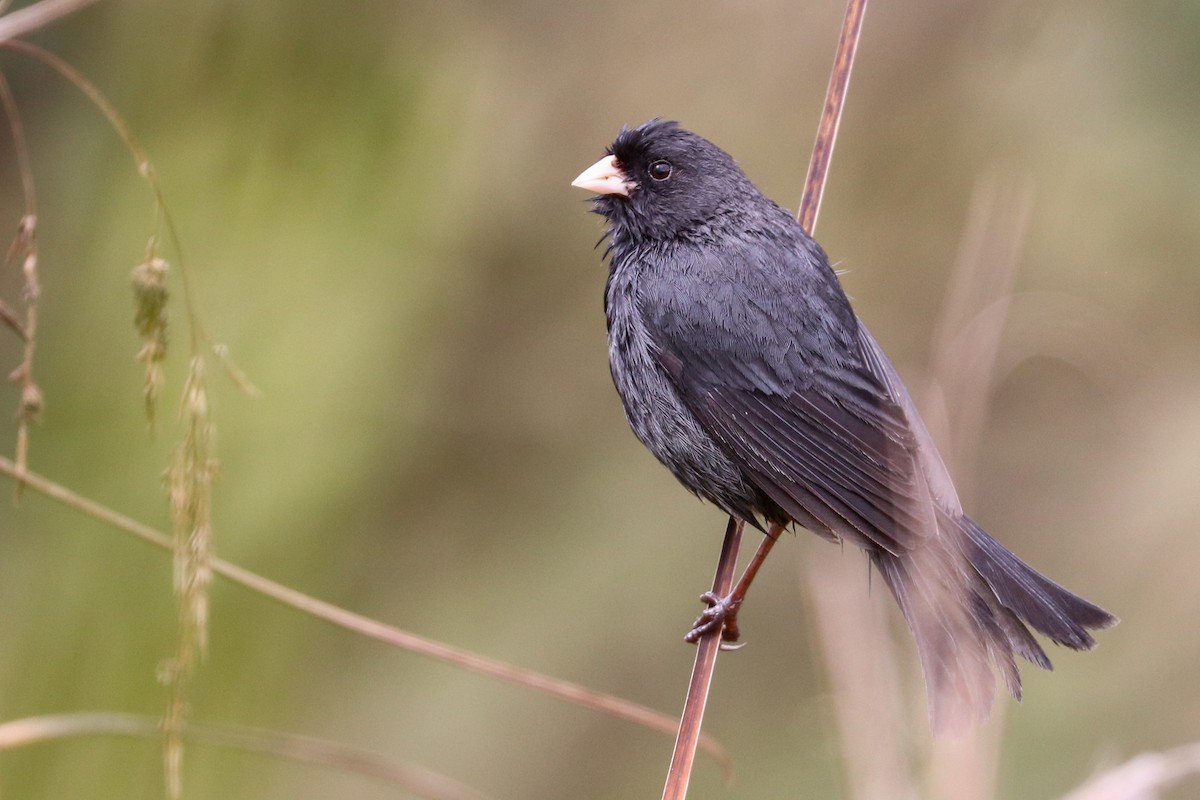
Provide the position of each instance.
(743, 369)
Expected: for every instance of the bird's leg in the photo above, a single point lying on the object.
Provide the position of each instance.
(722, 611)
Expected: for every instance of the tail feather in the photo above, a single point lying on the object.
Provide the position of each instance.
(1048, 608)
(957, 643)
(1023, 643)
(995, 637)
(968, 601)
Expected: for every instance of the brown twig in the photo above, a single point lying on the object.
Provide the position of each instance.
(680, 771)
(692, 719)
(831, 116)
(356, 623)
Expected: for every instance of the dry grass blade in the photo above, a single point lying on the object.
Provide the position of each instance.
(189, 482)
(30, 18)
(304, 749)
(9, 318)
(967, 341)
(850, 630)
(1144, 777)
(966, 350)
(24, 250)
(356, 623)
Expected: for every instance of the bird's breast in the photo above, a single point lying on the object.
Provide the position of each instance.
(657, 414)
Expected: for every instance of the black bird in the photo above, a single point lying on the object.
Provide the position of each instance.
(744, 370)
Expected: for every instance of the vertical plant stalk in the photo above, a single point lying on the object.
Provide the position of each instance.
(848, 628)
(29, 409)
(193, 466)
(680, 771)
(966, 347)
(692, 719)
(831, 116)
(24, 249)
(189, 485)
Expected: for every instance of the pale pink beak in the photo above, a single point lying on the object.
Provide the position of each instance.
(604, 177)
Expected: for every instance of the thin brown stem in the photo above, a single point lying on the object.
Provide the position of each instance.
(680, 771)
(30, 408)
(356, 623)
(831, 116)
(144, 167)
(20, 146)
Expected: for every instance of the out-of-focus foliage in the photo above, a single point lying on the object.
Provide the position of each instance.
(373, 200)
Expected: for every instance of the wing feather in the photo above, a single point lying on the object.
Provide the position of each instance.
(794, 392)
(800, 463)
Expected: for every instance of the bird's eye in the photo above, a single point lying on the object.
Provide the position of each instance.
(660, 170)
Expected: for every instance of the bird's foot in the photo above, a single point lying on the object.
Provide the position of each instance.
(721, 614)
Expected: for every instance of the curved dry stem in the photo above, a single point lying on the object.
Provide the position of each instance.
(20, 146)
(144, 166)
(30, 18)
(356, 623)
(1142, 777)
(305, 749)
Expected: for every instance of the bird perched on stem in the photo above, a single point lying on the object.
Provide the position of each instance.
(744, 370)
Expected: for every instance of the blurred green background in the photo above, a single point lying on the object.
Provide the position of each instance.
(374, 202)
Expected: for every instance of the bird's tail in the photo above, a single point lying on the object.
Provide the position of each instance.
(968, 602)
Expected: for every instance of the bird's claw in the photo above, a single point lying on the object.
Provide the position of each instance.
(721, 614)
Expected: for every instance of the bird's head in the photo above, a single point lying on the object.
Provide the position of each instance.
(659, 181)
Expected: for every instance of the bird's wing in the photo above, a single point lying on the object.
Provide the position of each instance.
(785, 378)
